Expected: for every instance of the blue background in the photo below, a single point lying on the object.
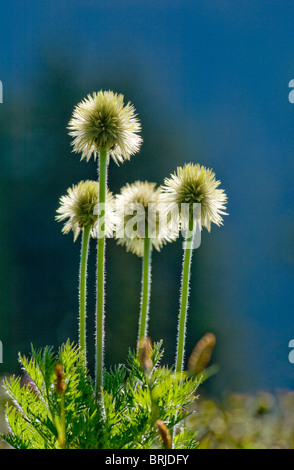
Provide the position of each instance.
(213, 75)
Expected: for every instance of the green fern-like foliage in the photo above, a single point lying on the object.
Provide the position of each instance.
(135, 400)
(35, 417)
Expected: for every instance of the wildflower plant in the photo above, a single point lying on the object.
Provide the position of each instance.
(103, 126)
(139, 404)
(78, 209)
(141, 233)
(188, 187)
(57, 409)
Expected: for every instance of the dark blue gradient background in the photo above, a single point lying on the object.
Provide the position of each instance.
(216, 73)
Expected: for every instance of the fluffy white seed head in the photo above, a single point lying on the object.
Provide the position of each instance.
(194, 184)
(103, 122)
(78, 208)
(141, 215)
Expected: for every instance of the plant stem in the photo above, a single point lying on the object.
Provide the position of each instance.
(62, 435)
(83, 288)
(100, 275)
(145, 293)
(184, 299)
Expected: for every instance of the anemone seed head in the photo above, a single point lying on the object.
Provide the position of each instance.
(142, 198)
(191, 184)
(102, 122)
(78, 206)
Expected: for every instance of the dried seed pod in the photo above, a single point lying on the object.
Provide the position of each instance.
(201, 354)
(164, 434)
(60, 385)
(144, 354)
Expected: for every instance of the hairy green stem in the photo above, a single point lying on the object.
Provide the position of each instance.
(184, 296)
(145, 292)
(83, 288)
(184, 299)
(100, 275)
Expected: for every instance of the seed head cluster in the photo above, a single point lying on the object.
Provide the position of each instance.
(79, 208)
(140, 200)
(103, 122)
(194, 184)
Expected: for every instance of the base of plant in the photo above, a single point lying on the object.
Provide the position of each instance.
(56, 407)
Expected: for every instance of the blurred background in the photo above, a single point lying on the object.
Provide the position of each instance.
(209, 81)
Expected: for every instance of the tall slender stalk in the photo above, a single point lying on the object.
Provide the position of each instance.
(100, 275)
(83, 288)
(184, 299)
(145, 292)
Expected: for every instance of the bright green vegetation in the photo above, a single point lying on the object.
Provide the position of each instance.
(135, 397)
